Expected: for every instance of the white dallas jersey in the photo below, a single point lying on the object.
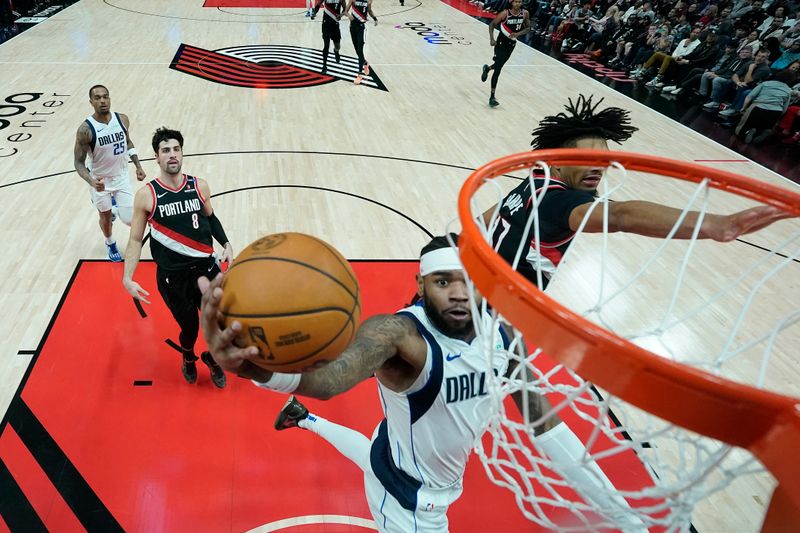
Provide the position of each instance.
(109, 156)
(431, 428)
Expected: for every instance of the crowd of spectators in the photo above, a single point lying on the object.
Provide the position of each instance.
(741, 57)
(12, 12)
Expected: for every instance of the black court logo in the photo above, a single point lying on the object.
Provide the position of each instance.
(16, 111)
(268, 66)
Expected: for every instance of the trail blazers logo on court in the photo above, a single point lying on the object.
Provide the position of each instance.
(268, 66)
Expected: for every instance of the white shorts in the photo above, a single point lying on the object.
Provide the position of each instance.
(119, 187)
(430, 515)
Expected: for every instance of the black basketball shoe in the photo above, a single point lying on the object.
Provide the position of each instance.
(217, 374)
(292, 413)
(485, 73)
(189, 369)
(493, 102)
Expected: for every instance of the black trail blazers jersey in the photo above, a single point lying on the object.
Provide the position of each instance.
(180, 232)
(555, 234)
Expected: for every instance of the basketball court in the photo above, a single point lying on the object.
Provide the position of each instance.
(100, 432)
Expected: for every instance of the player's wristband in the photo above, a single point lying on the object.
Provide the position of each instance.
(132, 152)
(280, 382)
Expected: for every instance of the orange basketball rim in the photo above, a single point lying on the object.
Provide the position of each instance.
(765, 423)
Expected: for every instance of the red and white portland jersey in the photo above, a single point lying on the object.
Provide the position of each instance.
(179, 230)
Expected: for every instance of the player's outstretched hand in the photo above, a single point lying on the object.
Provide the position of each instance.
(750, 220)
(220, 340)
(136, 290)
(140, 175)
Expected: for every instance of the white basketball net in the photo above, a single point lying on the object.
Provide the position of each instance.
(731, 312)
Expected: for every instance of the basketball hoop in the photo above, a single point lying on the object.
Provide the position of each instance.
(670, 394)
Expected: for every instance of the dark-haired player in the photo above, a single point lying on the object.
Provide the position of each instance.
(331, 15)
(358, 11)
(514, 22)
(104, 137)
(572, 191)
(414, 463)
(182, 224)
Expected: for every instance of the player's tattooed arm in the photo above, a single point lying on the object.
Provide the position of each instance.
(81, 150)
(377, 340)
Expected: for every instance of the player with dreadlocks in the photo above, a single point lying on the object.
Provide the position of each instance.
(572, 190)
(431, 373)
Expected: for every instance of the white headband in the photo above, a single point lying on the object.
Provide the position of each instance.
(439, 260)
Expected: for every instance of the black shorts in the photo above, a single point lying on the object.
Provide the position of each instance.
(503, 48)
(330, 29)
(357, 33)
(179, 290)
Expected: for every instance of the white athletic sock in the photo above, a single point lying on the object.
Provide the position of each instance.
(350, 443)
(565, 448)
(110, 240)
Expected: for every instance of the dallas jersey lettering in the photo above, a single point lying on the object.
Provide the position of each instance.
(512, 24)
(109, 155)
(431, 428)
(180, 235)
(360, 8)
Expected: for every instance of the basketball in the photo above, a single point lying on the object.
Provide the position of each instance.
(297, 299)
